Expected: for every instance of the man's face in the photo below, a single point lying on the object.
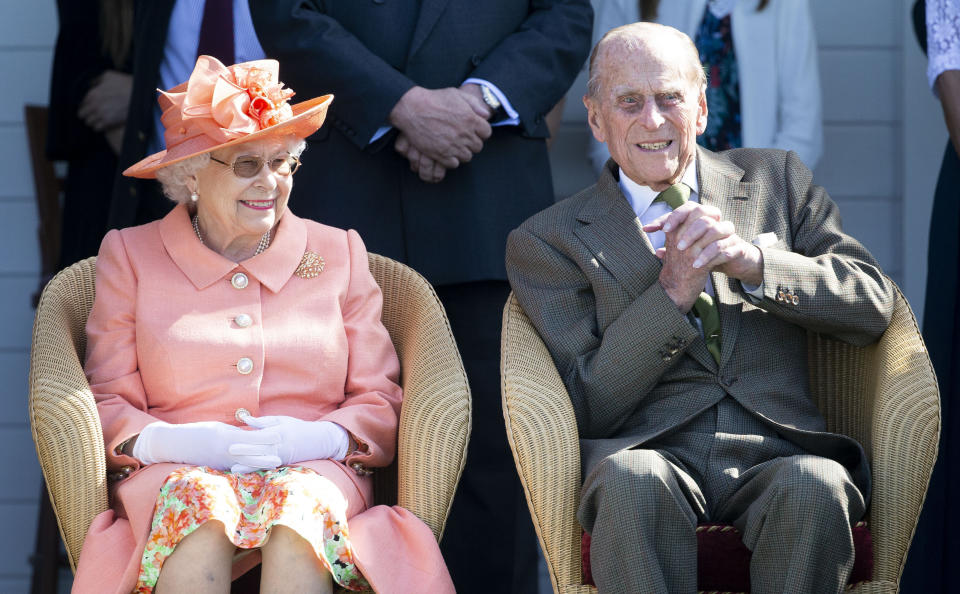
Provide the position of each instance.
(649, 111)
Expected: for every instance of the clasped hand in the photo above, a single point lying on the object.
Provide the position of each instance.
(440, 129)
(276, 440)
(698, 241)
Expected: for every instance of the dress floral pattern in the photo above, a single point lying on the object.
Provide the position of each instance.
(715, 42)
(249, 505)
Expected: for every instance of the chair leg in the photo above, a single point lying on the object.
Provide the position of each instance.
(46, 555)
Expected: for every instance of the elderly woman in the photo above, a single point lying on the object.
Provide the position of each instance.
(243, 378)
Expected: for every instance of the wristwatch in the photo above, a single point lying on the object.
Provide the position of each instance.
(497, 112)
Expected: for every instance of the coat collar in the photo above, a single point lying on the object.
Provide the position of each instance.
(204, 266)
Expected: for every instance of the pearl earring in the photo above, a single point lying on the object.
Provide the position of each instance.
(194, 196)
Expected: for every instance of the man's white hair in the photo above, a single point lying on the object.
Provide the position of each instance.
(636, 36)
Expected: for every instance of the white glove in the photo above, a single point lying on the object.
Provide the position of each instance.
(303, 440)
(214, 444)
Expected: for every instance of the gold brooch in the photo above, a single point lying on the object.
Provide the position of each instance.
(311, 265)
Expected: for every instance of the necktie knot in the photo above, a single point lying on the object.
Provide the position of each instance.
(674, 196)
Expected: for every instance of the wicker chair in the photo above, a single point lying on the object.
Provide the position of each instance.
(885, 396)
(434, 419)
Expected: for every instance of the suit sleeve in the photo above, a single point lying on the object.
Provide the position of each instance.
(839, 287)
(112, 365)
(607, 371)
(323, 57)
(535, 65)
(371, 408)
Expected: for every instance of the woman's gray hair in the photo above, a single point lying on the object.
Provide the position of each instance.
(173, 178)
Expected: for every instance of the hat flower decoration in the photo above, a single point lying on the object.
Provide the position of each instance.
(221, 106)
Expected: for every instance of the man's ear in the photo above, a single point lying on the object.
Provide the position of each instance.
(594, 118)
(702, 112)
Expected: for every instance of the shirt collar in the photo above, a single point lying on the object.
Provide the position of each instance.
(203, 266)
(641, 197)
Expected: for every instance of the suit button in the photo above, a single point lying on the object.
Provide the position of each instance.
(245, 365)
(133, 191)
(475, 59)
(243, 320)
(141, 136)
(239, 281)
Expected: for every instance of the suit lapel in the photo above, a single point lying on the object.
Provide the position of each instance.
(613, 234)
(720, 186)
(430, 11)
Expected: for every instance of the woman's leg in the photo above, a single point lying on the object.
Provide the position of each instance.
(290, 565)
(200, 563)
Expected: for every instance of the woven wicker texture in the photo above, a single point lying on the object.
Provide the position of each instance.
(884, 395)
(63, 415)
(434, 420)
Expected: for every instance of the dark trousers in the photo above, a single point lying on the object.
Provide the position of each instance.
(489, 543)
(935, 547)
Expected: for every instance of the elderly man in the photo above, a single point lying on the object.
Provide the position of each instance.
(683, 344)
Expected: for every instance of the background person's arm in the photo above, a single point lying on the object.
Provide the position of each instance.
(948, 88)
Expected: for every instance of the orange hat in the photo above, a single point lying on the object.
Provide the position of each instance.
(222, 106)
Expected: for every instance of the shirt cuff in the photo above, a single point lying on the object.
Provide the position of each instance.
(754, 292)
(379, 133)
(513, 118)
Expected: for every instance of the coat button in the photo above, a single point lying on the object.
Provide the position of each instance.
(245, 365)
(239, 281)
(242, 414)
(243, 320)
(141, 136)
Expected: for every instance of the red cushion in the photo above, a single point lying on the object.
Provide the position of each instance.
(723, 562)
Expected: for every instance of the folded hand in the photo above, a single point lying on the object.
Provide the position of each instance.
(210, 443)
(298, 440)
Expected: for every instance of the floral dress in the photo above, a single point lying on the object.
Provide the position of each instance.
(248, 505)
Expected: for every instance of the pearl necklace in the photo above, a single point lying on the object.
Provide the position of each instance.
(263, 245)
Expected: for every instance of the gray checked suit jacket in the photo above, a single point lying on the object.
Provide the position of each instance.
(635, 367)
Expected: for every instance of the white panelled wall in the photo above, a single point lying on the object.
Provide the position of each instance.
(27, 34)
(884, 134)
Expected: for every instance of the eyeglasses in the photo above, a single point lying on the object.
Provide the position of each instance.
(250, 165)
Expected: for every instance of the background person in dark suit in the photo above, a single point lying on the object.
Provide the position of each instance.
(434, 151)
(89, 94)
(678, 429)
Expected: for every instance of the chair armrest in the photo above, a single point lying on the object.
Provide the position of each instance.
(63, 415)
(542, 432)
(886, 397)
(435, 416)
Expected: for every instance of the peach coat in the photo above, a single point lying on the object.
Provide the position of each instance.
(163, 344)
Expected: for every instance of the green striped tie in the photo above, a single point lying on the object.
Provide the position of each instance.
(704, 307)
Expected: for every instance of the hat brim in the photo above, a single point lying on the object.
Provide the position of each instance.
(307, 118)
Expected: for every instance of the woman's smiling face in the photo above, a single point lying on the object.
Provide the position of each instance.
(232, 208)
